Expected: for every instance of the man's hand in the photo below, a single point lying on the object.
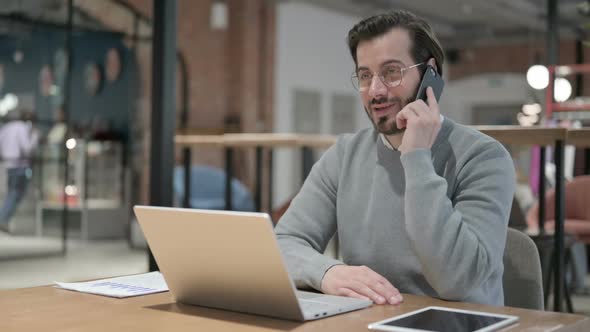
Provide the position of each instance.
(359, 282)
(422, 123)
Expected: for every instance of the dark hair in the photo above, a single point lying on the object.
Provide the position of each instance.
(425, 45)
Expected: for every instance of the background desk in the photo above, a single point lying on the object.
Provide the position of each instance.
(50, 309)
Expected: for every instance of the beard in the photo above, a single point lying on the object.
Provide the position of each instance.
(386, 124)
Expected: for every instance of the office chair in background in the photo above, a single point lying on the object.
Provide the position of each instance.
(522, 279)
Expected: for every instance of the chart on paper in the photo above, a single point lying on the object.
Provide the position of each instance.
(120, 287)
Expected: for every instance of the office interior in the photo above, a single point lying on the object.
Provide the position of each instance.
(123, 112)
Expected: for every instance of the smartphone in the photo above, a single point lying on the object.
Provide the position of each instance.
(430, 78)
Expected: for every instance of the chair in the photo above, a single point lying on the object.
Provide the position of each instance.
(517, 219)
(576, 225)
(577, 210)
(207, 189)
(522, 279)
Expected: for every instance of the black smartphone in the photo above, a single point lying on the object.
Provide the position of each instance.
(430, 78)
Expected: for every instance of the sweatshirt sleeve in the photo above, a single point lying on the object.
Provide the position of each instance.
(460, 243)
(310, 222)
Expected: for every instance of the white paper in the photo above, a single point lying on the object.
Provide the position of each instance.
(135, 285)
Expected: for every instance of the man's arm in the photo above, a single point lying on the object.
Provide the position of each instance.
(310, 222)
(307, 226)
(460, 243)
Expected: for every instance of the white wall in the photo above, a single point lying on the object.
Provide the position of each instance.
(311, 54)
(460, 96)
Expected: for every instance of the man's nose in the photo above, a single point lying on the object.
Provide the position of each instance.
(377, 88)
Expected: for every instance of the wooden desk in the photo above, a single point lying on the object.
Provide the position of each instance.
(200, 140)
(524, 135)
(267, 140)
(259, 141)
(579, 137)
(50, 309)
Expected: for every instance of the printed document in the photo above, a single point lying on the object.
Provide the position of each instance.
(120, 287)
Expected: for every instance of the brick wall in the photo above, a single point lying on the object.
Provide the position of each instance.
(230, 75)
(510, 58)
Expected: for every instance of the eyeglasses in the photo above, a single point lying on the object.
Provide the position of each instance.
(390, 75)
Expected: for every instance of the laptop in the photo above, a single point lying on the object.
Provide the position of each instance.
(230, 260)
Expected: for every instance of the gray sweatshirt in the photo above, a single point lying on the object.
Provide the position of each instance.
(433, 222)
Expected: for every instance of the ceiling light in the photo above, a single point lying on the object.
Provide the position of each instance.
(562, 90)
(218, 16)
(8, 103)
(71, 143)
(531, 109)
(18, 56)
(71, 190)
(538, 77)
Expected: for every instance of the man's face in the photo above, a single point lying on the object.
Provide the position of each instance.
(381, 102)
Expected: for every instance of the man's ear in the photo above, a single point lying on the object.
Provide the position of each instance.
(432, 62)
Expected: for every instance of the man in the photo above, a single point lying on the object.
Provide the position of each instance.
(420, 204)
(18, 139)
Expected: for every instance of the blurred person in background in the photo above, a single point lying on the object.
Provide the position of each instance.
(18, 139)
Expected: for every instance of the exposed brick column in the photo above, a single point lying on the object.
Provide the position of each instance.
(250, 60)
(224, 68)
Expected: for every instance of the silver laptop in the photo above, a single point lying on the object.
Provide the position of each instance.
(230, 260)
